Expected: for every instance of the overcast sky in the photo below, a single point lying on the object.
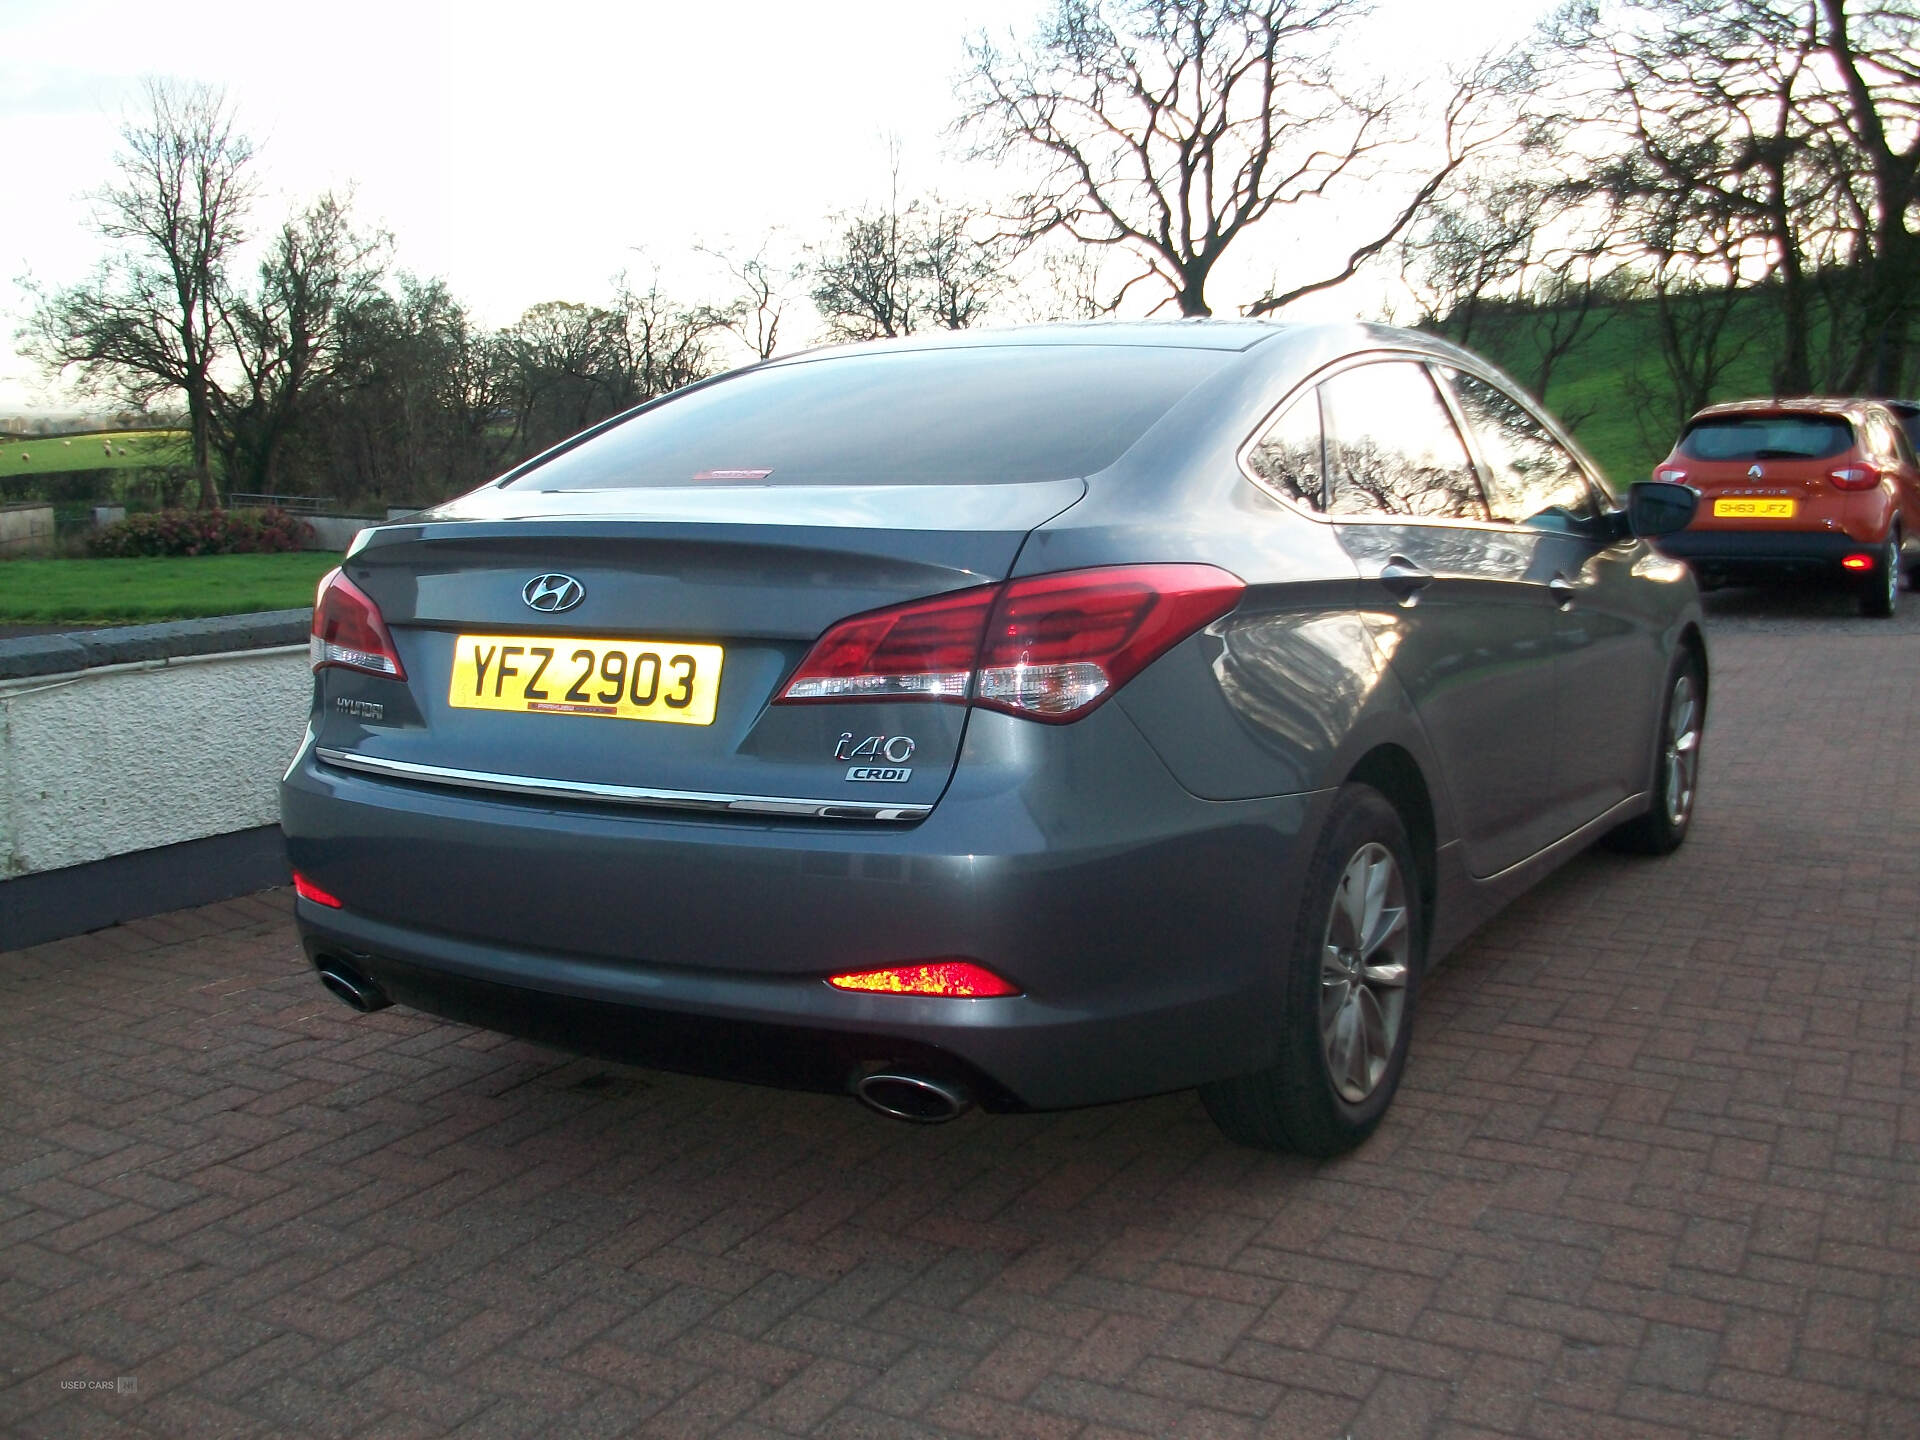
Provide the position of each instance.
(527, 152)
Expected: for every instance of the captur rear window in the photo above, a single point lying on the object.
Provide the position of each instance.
(958, 416)
(1767, 437)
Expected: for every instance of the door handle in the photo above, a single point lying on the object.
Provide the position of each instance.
(1563, 590)
(1403, 579)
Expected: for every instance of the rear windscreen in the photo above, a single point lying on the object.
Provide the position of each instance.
(961, 416)
(1767, 437)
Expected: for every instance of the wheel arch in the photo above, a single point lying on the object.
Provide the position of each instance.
(1693, 643)
(1393, 771)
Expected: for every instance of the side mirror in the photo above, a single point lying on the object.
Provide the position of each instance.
(1657, 508)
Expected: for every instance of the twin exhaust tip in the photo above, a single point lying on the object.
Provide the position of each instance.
(918, 1099)
(351, 988)
(915, 1098)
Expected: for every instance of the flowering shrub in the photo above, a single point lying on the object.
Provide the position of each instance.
(200, 532)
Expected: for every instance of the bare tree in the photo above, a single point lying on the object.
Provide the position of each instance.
(1875, 47)
(150, 321)
(1169, 127)
(762, 292)
(1506, 261)
(863, 279)
(286, 338)
(959, 270)
(1786, 131)
(892, 271)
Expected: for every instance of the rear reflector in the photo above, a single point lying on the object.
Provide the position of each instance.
(307, 890)
(1857, 562)
(1048, 647)
(1854, 477)
(956, 979)
(348, 630)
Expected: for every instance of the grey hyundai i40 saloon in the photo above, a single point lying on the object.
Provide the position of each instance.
(1030, 719)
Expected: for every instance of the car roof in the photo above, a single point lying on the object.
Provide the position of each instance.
(1851, 407)
(1199, 333)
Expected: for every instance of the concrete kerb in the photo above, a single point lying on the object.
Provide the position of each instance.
(40, 655)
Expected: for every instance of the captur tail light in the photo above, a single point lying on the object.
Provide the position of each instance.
(349, 631)
(1669, 476)
(1047, 647)
(1854, 477)
(954, 979)
(1857, 562)
(307, 890)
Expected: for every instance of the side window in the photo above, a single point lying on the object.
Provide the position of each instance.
(1289, 459)
(1392, 448)
(1532, 478)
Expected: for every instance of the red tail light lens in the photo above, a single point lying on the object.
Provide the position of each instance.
(348, 630)
(1854, 477)
(1857, 562)
(1060, 644)
(1049, 647)
(956, 979)
(921, 651)
(307, 890)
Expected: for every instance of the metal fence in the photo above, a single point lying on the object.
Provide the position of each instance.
(292, 504)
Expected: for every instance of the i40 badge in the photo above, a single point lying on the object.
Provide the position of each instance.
(895, 749)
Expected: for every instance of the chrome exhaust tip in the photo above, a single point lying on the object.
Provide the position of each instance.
(914, 1098)
(351, 988)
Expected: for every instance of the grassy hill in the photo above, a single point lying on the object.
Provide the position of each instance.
(117, 450)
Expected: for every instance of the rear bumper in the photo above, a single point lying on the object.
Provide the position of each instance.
(1764, 554)
(1144, 926)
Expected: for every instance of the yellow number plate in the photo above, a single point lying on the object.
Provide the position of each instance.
(1754, 509)
(552, 675)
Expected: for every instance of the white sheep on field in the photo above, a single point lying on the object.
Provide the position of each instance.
(107, 446)
(26, 457)
(66, 442)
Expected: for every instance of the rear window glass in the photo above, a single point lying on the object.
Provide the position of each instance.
(963, 416)
(1767, 437)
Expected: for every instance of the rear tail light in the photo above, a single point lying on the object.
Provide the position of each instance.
(1059, 643)
(1049, 647)
(1669, 476)
(1854, 477)
(920, 651)
(956, 979)
(307, 890)
(1857, 562)
(348, 630)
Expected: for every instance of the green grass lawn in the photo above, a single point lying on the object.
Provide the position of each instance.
(49, 455)
(51, 592)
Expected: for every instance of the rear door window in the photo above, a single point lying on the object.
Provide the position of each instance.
(1767, 437)
(1392, 448)
(1532, 479)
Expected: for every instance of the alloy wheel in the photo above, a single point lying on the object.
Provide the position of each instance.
(1363, 972)
(1682, 752)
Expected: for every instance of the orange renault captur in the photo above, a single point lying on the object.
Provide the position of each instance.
(1811, 488)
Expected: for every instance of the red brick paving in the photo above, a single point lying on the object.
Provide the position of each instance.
(1653, 1174)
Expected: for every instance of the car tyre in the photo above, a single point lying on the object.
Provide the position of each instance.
(1881, 599)
(1353, 966)
(1676, 767)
